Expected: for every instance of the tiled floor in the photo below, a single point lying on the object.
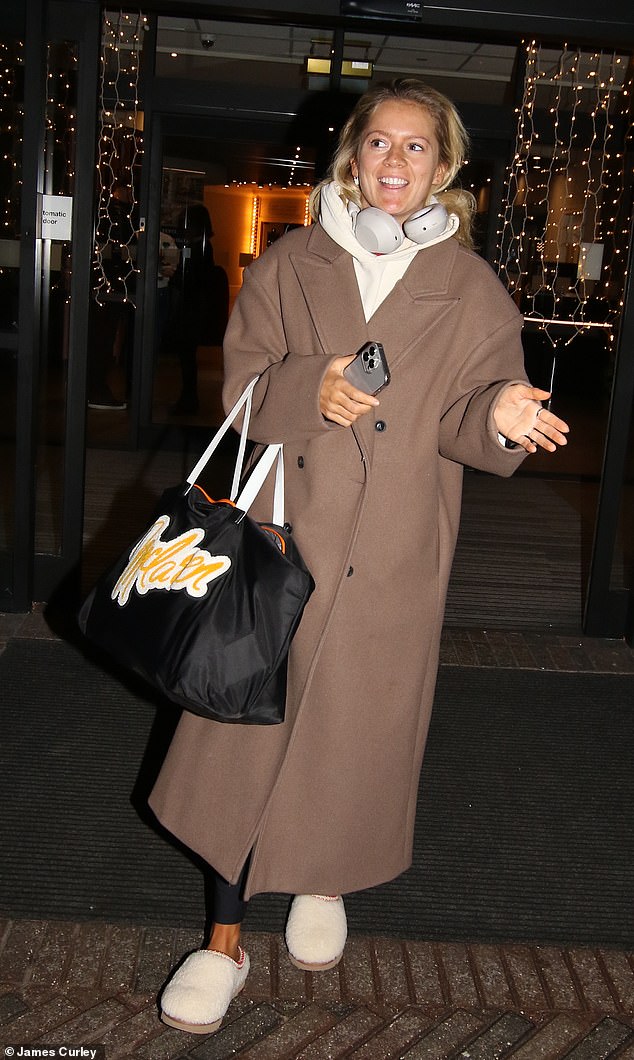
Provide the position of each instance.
(89, 989)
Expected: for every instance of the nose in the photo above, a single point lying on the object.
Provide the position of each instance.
(395, 155)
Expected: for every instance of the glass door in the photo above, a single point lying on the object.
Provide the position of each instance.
(213, 219)
(12, 58)
(237, 132)
(49, 73)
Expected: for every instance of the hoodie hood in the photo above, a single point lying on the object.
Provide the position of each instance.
(376, 274)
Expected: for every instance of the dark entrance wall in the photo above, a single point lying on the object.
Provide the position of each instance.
(575, 21)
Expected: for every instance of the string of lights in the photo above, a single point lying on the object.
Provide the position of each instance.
(564, 222)
(119, 156)
(59, 158)
(60, 126)
(619, 182)
(255, 225)
(11, 123)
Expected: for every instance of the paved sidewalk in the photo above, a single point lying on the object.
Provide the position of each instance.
(81, 985)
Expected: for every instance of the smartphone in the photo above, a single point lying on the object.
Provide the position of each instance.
(369, 371)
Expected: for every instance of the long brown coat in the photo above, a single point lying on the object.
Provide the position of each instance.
(327, 800)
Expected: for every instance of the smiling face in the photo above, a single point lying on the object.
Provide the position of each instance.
(397, 163)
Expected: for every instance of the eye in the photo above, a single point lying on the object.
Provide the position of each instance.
(377, 141)
(416, 147)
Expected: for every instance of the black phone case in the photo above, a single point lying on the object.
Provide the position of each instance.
(369, 371)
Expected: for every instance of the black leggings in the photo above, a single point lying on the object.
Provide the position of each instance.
(229, 907)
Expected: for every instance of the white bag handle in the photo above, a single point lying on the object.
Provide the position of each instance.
(258, 476)
(246, 399)
(257, 479)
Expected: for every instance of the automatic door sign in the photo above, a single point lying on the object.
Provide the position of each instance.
(57, 217)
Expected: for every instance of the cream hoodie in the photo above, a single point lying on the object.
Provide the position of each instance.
(376, 274)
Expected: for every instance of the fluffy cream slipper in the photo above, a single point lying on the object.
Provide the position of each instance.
(316, 932)
(201, 990)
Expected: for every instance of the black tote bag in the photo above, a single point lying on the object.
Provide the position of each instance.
(206, 601)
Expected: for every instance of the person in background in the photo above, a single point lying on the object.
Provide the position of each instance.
(324, 804)
(199, 293)
(169, 257)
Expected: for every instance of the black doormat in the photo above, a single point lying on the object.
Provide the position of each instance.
(524, 828)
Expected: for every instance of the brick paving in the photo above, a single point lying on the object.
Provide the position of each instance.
(96, 984)
(90, 984)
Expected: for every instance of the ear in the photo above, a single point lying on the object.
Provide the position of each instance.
(354, 169)
(440, 174)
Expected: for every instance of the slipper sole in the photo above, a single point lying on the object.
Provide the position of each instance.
(191, 1028)
(304, 966)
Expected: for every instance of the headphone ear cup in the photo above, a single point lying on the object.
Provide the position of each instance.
(426, 224)
(377, 231)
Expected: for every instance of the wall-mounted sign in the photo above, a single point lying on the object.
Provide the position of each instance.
(57, 217)
(590, 261)
(399, 10)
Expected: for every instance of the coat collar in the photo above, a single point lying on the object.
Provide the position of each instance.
(326, 275)
(418, 302)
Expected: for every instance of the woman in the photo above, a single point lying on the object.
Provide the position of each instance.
(325, 803)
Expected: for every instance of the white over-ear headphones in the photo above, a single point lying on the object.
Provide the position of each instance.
(378, 232)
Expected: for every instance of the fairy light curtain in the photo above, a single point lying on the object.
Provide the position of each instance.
(119, 158)
(62, 61)
(11, 121)
(562, 241)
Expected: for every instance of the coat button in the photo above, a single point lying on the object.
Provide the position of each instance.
(350, 572)
(380, 425)
(287, 528)
(300, 461)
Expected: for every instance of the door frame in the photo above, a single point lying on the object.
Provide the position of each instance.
(609, 611)
(37, 576)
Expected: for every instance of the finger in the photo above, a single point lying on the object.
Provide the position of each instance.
(350, 407)
(549, 418)
(359, 397)
(345, 401)
(336, 412)
(523, 392)
(545, 443)
(344, 411)
(552, 434)
(541, 440)
(335, 417)
(551, 427)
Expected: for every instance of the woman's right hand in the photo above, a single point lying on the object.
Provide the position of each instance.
(339, 400)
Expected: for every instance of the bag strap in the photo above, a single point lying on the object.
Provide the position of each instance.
(246, 400)
(257, 478)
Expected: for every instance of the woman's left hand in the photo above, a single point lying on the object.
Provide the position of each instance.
(520, 416)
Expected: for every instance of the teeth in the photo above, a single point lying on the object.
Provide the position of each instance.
(394, 182)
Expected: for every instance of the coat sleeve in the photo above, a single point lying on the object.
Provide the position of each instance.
(286, 397)
(468, 434)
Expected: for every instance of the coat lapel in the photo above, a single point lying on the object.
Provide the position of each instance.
(418, 302)
(326, 275)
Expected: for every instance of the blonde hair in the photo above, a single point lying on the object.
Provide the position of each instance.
(453, 144)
